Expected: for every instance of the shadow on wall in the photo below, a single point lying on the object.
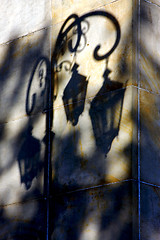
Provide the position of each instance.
(103, 212)
(28, 158)
(81, 214)
(103, 112)
(69, 213)
(74, 96)
(23, 92)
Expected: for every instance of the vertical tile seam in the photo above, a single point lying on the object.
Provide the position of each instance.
(49, 137)
(139, 166)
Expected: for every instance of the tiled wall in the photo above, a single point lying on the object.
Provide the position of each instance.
(79, 145)
(25, 30)
(94, 144)
(149, 118)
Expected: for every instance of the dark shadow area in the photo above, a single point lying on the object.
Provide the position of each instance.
(44, 98)
(74, 96)
(72, 209)
(28, 158)
(103, 112)
(40, 75)
(17, 228)
(29, 154)
(68, 165)
(77, 214)
(22, 207)
(63, 211)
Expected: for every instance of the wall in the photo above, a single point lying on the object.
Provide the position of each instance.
(25, 45)
(93, 142)
(79, 123)
(149, 118)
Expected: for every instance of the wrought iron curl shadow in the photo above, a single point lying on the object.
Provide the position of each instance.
(76, 25)
(42, 69)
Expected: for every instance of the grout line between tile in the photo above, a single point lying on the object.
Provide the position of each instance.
(155, 4)
(91, 9)
(105, 4)
(22, 202)
(25, 35)
(89, 98)
(60, 106)
(49, 109)
(22, 117)
(150, 184)
(48, 150)
(79, 190)
(94, 187)
(139, 166)
(146, 90)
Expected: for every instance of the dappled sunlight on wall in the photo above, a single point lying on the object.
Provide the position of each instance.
(93, 125)
(79, 122)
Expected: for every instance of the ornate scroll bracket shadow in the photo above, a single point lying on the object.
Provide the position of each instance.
(104, 106)
(75, 92)
(62, 37)
(38, 81)
(29, 154)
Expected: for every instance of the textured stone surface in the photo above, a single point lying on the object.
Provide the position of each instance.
(150, 49)
(100, 213)
(154, 2)
(135, 127)
(135, 42)
(150, 212)
(21, 159)
(24, 220)
(18, 18)
(150, 132)
(98, 30)
(67, 7)
(20, 65)
(93, 146)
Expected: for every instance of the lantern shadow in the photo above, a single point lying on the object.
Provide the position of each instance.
(29, 155)
(74, 96)
(105, 112)
(29, 158)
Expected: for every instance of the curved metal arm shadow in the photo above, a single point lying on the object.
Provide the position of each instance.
(41, 69)
(29, 154)
(78, 22)
(77, 86)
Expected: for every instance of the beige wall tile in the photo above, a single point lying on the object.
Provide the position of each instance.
(86, 149)
(22, 220)
(21, 159)
(99, 213)
(98, 30)
(19, 18)
(153, 1)
(62, 9)
(150, 132)
(150, 202)
(20, 65)
(149, 48)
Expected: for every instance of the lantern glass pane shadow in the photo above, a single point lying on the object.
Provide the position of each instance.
(74, 95)
(29, 160)
(105, 112)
